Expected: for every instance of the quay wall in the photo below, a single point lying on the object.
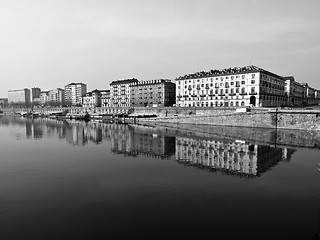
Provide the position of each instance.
(256, 117)
(284, 119)
(279, 137)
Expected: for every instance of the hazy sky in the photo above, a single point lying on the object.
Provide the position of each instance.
(50, 43)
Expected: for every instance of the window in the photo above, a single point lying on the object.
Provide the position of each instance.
(253, 75)
(243, 82)
(242, 103)
(253, 81)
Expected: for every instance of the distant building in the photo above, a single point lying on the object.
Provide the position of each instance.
(56, 97)
(310, 95)
(120, 92)
(35, 94)
(153, 93)
(92, 99)
(74, 93)
(294, 92)
(105, 98)
(44, 97)
(3, 102)
(19, 97)
(245, 86)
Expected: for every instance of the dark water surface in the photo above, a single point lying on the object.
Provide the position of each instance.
(76, 180)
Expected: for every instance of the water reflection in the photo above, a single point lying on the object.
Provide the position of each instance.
(139, 140)
(227, 155)
(233, 157)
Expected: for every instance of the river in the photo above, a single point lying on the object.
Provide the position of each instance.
(78, 180)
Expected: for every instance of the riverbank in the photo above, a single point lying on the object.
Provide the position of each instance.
(269, 118)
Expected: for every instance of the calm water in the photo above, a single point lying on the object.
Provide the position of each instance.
(76, 180)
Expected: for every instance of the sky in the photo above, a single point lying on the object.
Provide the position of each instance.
(50, 43)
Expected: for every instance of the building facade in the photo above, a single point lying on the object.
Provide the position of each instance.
(35, 95)
(44, 97)
(3, 102)
(153, 93)
(56, 97)
(74, 93)
(105, 98)
(120, 92)
(19, 97)
(92, 99)
(310, 95)
(232, 87)
(295, 92)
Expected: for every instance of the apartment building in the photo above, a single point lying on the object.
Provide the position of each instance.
(120, 92)
(153, 93)
(105, 98)
(44, 97)
(92, 99)
(56, 97)
(295, 92)
(245, 86)
(35, 95)
(19, 97)
(73, 93)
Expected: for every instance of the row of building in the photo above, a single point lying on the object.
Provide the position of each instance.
(231, 87)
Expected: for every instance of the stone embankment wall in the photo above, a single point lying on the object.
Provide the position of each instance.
(284, 119)
(276, 137)
(257, 117)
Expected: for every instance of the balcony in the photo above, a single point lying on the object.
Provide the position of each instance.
(185, 96)
(221, 95)
(193, 95)
(253, 93)
(179, 96)
(202, 95)
(232, 94)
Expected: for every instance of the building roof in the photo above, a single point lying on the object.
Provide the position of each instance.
(124, 81)
(76, 84)
(24, 89)
(226, 71)
(151, 82)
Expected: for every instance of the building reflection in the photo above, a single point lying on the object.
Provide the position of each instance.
(139, 140)
(231, 157)
(199, 150)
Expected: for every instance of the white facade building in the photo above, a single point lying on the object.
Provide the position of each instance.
(92, 99)
(19, 96)
(120, 92)
(74, 93)
(233, 87)
(56, 97)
